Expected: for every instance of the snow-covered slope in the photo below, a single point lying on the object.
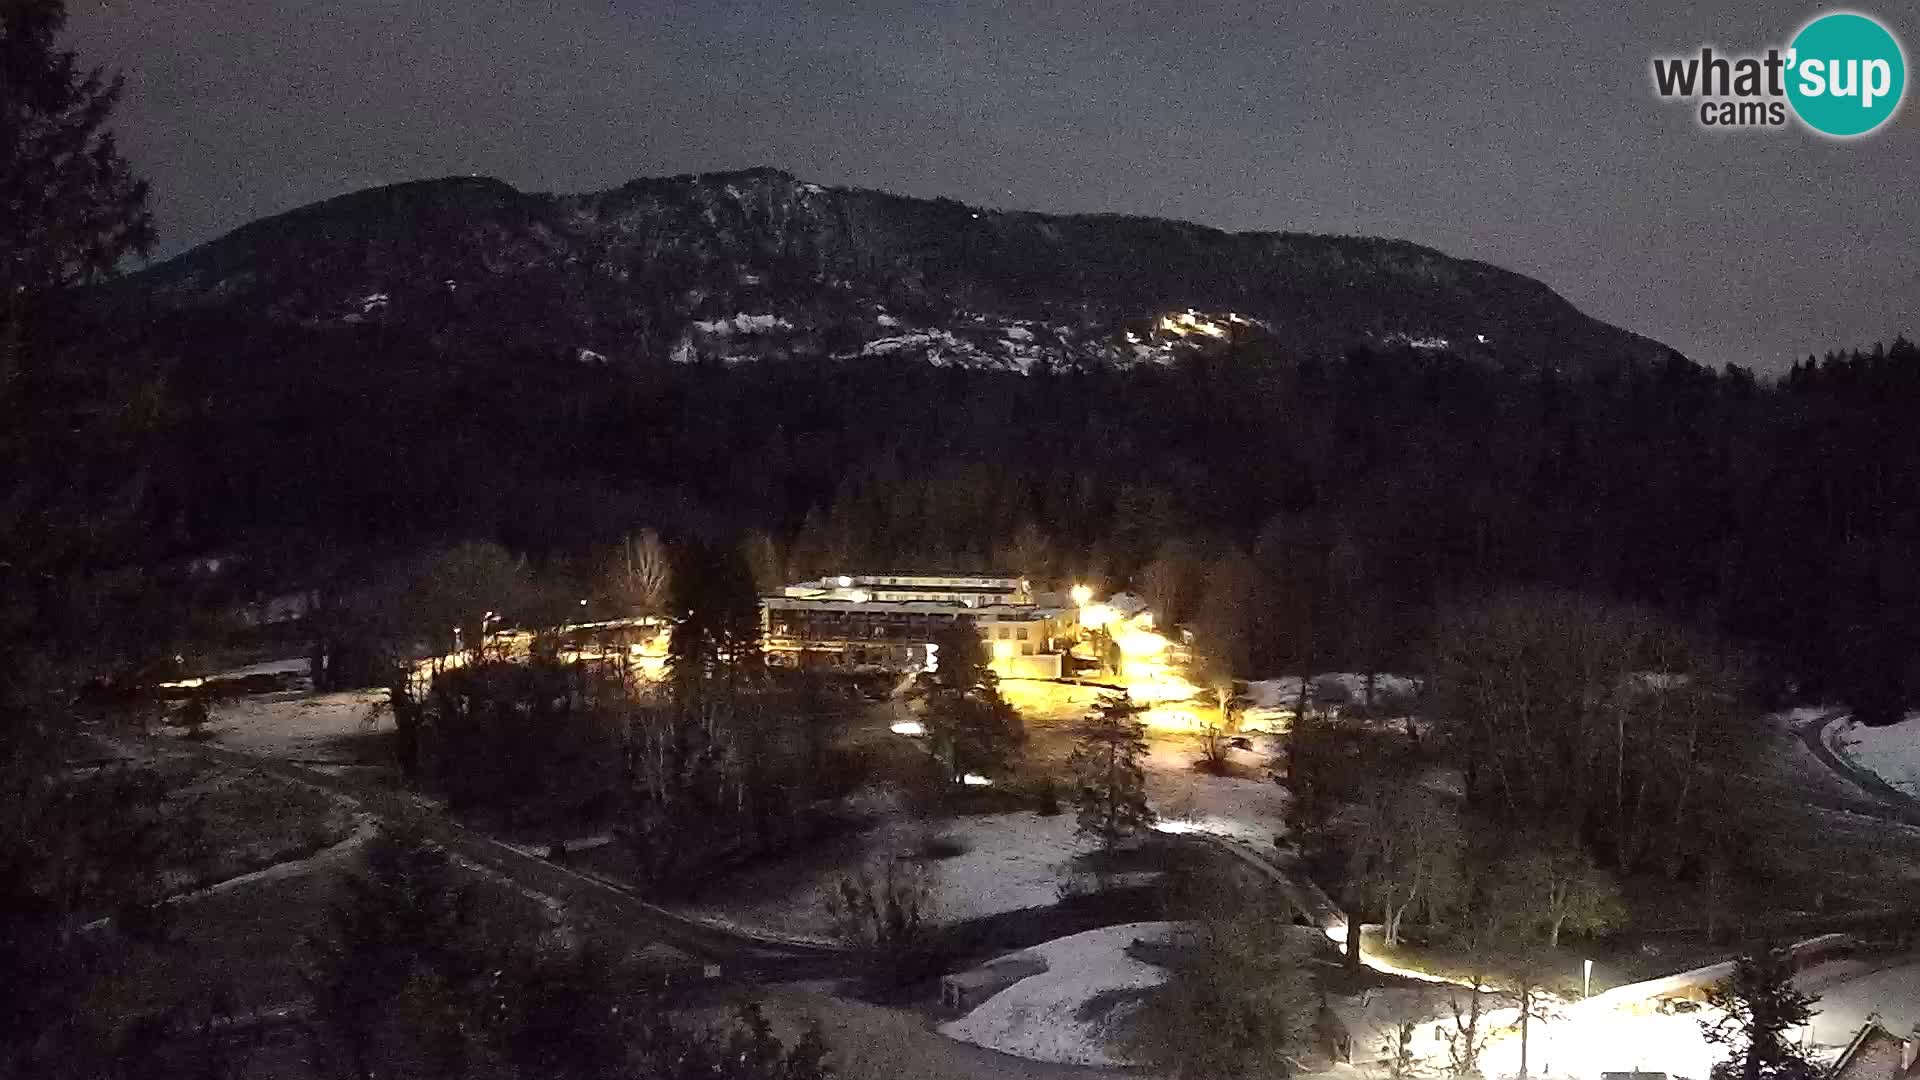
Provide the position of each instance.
(1071, 1011)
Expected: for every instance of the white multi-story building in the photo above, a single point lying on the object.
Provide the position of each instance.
(884, 622)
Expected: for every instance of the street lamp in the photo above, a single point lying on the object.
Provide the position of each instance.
(1082, 595)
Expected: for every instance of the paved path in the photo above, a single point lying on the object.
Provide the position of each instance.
(737, 953)
(1897, 804)
(874, 1043)
(869, 1042)
(1307, 899)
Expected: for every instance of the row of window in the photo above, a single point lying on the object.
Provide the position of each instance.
(845, 628)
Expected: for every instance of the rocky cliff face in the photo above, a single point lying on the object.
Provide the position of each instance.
(759, 266)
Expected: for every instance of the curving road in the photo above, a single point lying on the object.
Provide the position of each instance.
(722, 952)
(1898, 804)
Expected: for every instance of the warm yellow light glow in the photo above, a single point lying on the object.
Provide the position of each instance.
(1003, 650)
(1190, 322)
(845, 582)
(1139, 644)
(857, 596)
(1082, 595)
(1149, 684)
(909, 727)
(1095, 616)
(1169, 719)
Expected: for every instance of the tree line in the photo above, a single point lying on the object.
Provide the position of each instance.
(1319, 506)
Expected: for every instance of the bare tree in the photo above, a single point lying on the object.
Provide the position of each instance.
(1408, 852)
(1216, 675)
(763, 559)
(641, 575)
(1601, 720)
(1031, 553)
(1224, 627)
(1168, 581)
(887, 910)
(1562, 887)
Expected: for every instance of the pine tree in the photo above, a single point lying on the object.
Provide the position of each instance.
(1758, 1007)
(70, 211)
(716, 615)
(960, 663)
(396, 936)
(1110, 787)
(70, 207)
(971, 727)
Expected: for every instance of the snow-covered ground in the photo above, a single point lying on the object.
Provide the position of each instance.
(1851, 989)
(314, 727)
(1047, 1016)
(1271, 702)
(1608, 1034)
(1247, 805)
(298, 666)
(1009, 862)
(1892, 752)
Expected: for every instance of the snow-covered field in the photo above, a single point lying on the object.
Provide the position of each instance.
(1012, 861)
(1009, 862)
(1851, 989)
(311, 727)
(1892, 752)
(1245, 806)
(1271, 702)
(1047, 1016)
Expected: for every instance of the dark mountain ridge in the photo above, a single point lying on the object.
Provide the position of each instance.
(758, 265)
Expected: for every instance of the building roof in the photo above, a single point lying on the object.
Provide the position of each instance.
(914, 587)
(921, 607)
(1877, 1054)
(974, 574)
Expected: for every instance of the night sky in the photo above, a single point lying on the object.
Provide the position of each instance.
(1525, 135)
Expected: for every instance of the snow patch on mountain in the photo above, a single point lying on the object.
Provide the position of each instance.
(743, 324)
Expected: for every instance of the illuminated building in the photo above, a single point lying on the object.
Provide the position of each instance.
(884, 622)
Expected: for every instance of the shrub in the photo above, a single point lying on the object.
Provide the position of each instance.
(887, 910)
(935, 844)
(1047, 799)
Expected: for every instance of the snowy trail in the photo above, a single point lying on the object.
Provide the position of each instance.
(326, 857)
(1897, 804)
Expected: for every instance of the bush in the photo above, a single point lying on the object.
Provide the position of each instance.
(887, 910)
(528, 739)
(1241, 999)
(935, 844)
(1215, 742)
(1047, 800)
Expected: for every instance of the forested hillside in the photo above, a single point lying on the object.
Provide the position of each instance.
(1353, 492)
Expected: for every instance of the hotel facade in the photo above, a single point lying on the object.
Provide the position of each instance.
(884, 622)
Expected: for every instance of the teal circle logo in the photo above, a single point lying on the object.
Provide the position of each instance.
(1846, 75)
